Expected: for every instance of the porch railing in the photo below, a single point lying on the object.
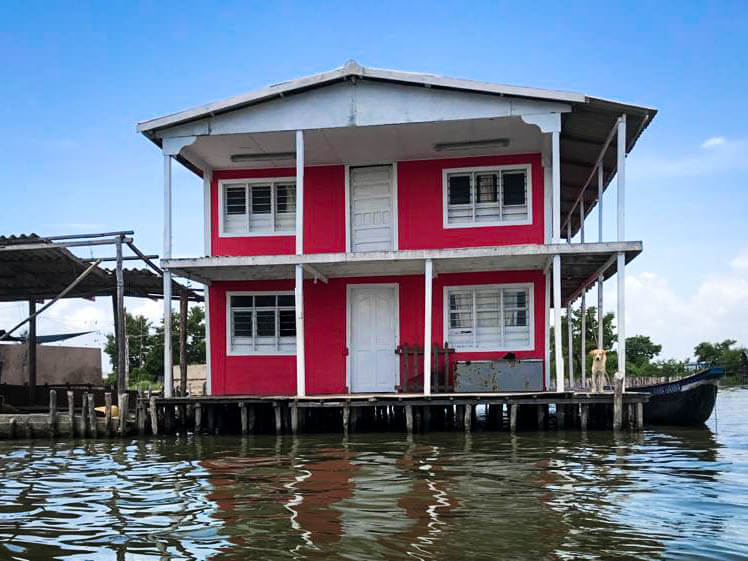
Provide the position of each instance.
(411, 369)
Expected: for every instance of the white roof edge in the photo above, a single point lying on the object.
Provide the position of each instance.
(352, 68)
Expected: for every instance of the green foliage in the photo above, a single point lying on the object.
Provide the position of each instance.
(146, 346)
(721, 354)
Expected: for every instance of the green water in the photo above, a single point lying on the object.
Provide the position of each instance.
(662, 494)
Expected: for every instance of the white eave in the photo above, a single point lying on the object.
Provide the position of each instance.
(352, 70)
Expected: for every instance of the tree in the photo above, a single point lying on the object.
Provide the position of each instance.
(146, 345)
(721, 354)
(640, 350)
(609, 337)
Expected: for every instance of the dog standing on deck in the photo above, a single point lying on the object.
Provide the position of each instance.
(599, 375)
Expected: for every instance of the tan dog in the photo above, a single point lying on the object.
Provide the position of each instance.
(599, 375)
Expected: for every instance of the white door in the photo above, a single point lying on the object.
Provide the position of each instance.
(373, 328)
(371, 208)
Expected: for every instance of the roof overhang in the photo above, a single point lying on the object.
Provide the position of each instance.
(581, 264)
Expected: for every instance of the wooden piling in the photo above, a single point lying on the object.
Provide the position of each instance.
(278, 417)
(294, 419)
(92, 416)
(468, 418)
(346, 418)
(513, 410)
(427, 418)
(123, 399)
(584, 416)
(617, 401)
(560, 416)
(244, 418)
(198, 417)
(12, 427)
(84, 414)
(71, 411)
(409, 418)
(52, 413)
(251, 418)
(140, 414)
(541, 411)
(639, 416)
(108, 413)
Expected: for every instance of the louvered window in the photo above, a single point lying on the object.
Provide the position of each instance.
(487, 196)
(264, 207)
(261, 323)
(489, 318)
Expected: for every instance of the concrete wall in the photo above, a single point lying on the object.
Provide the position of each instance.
(197, 374)
(55, 365)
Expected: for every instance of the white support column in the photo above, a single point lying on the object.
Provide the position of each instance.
(600, 315)
(600, 180)
(570, 344)
(166, 254)
(621, 264)
(208, 377)
(299, 192)
(583, 341)
(207, 226)
(556, 177)
(428, 305)
(547, 316)
(300, 357)
(559, 353)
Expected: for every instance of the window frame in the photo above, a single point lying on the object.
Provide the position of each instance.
(446, 172)
(501, 286)
(249, 181)
(230, 323)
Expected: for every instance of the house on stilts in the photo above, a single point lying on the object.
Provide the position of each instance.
(356, 217)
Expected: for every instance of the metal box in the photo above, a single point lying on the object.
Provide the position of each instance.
(499, 376)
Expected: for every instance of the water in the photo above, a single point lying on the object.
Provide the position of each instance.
(663, 494)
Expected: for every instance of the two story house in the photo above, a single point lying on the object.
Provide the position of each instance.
(359, 210)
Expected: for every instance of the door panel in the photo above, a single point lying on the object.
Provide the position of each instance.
(371, 208)
(373, 316)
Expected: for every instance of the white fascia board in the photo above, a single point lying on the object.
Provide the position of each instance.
(411, 254)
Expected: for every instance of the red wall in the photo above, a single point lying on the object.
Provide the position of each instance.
(420, 209)
(421, 206)
(325, 322)
(324, 214)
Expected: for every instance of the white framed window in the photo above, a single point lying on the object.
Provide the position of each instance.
(257, 207)
(496, 317)
(261, 323)
(487, 196)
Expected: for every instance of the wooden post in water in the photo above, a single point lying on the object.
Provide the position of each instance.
(541, 411)
(71, 411)
(639, 416)
(278, 418)
(52, 413)
(427, 418)
(584, 415)
(12, 427)
(409, 419)
(123, 399)
(154, 415)
(244, 418)
(84, 415)
(513, 410)
(251, 414)
(108, 413)
(346, 418)
(141, 414)
(198, 417)
(617, 401)
(294, 418)
(468, 419)
(92, 416)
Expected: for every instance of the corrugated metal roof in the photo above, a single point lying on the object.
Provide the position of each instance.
(42, 273)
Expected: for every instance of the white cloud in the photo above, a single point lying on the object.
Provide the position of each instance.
(717, 155)
(713, 142)
(713, 311)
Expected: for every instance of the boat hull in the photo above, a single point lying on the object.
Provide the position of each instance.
(688, 401)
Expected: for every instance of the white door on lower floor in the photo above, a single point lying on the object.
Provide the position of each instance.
(373, 315)
(372, 208)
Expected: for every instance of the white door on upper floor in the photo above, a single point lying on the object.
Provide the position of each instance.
(371, 208)
(373, 325)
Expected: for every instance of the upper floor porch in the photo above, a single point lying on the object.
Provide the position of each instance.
(363, 160)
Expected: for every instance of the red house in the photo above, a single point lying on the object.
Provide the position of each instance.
(359, 210)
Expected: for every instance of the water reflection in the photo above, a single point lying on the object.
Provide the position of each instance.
(679, 493)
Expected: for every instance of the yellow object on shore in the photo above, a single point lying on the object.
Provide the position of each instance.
(102, 410)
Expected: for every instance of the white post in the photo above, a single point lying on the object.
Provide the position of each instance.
(299, 192)
(547, 316)
(556, 177)
(299, 303)
(166, 253)
(600, 316)
(428, 304)
(621, 262)
(208, 376)
(600, 180)
(583, 342)
(207, 180)
(570, 343)
(559, 354)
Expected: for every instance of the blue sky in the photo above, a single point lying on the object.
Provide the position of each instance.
(78, 76)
